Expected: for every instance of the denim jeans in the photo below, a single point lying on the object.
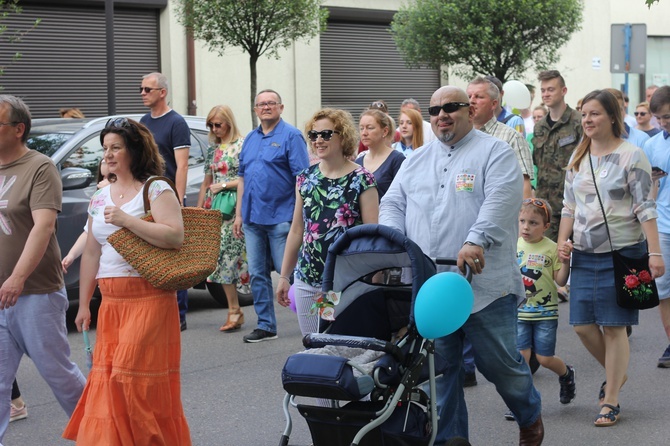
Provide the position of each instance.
(265, 252)
(182, 301)
(492, 332)
(468, 357)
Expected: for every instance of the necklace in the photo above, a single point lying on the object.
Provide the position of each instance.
(121, 195)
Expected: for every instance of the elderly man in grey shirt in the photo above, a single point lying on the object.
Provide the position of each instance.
(460, 197)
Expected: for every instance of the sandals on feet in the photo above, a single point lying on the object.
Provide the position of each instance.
(611, 417)
(601, 394)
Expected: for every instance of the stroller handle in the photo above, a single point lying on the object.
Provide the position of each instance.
(318, 340)
(452, 262)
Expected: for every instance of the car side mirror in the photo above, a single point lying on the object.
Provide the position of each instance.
(76, 178)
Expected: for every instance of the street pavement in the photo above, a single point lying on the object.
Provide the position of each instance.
(232, 391)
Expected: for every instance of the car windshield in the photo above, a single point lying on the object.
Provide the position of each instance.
(47, 143)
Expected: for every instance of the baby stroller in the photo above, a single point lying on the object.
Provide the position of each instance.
(383, 402)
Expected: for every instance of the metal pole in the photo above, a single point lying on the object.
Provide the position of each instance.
(111, 67)
(626, 46)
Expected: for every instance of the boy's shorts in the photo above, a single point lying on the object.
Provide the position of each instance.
(538, 335)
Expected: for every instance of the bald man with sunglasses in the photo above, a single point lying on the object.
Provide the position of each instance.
(459, 197)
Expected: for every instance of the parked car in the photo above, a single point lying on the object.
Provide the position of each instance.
(74, 147)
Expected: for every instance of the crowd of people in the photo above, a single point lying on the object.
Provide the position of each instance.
(509, 195)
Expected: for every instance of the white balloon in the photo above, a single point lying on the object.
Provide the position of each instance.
(516, 95)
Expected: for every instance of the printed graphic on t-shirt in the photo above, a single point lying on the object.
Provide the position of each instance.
(5, 185)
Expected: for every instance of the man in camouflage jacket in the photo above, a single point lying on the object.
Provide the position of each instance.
(555, 137)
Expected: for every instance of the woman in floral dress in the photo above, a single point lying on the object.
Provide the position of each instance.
(331, 197)
(221, 168)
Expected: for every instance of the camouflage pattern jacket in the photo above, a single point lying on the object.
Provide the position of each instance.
(553, 148)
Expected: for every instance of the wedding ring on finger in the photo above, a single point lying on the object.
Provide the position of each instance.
(476, 260)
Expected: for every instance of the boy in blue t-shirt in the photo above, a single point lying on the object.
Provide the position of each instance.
(541, 270)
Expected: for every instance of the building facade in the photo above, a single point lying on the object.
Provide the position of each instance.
(66, 58)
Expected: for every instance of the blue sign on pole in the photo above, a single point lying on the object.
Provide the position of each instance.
(628, 50)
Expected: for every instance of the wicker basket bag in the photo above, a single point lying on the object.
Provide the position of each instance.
(174, 269)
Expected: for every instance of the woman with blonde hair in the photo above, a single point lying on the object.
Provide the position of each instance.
(410, 125)
(380, 159)
(221, 167)
(622, 176)
(72, 113)
(331, 197)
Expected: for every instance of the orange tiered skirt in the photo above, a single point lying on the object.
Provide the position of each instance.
(133, 394)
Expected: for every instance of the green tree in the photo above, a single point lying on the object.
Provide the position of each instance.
(651, 2)
(259, 27)
(500, 37)
(7, 36)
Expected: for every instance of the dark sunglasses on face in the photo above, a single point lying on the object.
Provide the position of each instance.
(213, 125)
(540, 204)
(148, 90)
(449, 107)
(118, 123)
(640, 113)
(313, 135)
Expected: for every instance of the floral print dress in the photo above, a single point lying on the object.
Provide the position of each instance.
(331, 206)
(223, 163)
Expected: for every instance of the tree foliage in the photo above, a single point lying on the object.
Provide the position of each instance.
(500, 37)
(259, 27)
(7, 36)
(651, 2)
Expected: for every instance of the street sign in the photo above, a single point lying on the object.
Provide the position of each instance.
(628, 51)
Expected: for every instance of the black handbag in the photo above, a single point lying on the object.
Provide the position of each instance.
(635, 289)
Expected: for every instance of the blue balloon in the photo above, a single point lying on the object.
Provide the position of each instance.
(442, 305)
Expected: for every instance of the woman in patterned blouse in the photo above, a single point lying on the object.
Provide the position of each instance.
(623, 178)
(331, 197)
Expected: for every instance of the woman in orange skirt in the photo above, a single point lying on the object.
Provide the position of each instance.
(132, 395)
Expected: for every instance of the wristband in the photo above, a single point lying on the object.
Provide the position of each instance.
(657, 254)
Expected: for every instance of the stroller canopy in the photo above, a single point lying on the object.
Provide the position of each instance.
(366, 249)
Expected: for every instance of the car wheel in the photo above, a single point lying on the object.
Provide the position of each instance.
(243, 295)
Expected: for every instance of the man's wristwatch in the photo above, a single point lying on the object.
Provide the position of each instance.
(471, 244)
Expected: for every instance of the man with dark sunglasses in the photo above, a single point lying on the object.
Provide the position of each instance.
(459, 197)
(272, 156)
(174, 141)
